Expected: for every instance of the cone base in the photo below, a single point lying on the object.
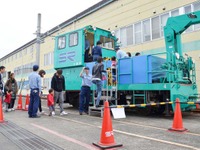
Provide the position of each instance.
(25, 109)
(107, 146)
(2, 121)
(18, 109)
(178, 130)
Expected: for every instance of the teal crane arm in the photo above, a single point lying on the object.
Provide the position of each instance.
(175, 27)
(176, 63)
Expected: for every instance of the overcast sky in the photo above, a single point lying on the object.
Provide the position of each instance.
(18, 19)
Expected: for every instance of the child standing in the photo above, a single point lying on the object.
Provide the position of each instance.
(8, 99)
(50, 102)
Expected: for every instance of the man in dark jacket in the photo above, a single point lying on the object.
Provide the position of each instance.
(97, 51)
(97, 78)
(58, 85)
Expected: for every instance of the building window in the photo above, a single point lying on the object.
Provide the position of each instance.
(123, 37)
(25, 51)
(31, 49)
(61, 42)
(107, 42)
(156, 27)
(196, 7)
(117, 34)
(52, 58)
(48, 59)
(73, 39)
(138, 33)
(20, 54)
(188, 9)
(163, 19)
(146, 30)
(129, 35)
(175, 13)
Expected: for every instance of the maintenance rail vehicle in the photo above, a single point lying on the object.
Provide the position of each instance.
(143, 79)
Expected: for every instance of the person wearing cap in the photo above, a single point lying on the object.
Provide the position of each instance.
(120, 53)
(85, 90)
(97, 51)
(35, 92)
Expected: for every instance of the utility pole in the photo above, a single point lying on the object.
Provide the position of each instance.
(38, 40)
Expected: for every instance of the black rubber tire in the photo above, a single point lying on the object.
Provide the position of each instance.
(74, 99)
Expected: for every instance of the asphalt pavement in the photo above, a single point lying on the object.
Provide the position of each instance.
(78, 132)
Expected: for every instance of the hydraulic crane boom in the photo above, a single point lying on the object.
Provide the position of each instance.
(181, 70)
(175, 27)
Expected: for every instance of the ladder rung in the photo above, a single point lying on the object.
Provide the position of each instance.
(138, 94)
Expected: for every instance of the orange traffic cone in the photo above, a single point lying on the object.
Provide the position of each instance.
(107, 136)
(177, 123)
(19, 106)
(1, 112)
(26, 103)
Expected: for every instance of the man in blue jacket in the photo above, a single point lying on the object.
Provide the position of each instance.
(35, 87)
(97, 51)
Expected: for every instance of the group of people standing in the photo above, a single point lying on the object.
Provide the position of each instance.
(87, 80)
(8, 90)
(96, 77)
(55, 93)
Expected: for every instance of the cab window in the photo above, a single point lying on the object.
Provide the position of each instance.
(61, 42)
(73, 39)
(107, 42)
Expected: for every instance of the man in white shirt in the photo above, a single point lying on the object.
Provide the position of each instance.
(120, 53)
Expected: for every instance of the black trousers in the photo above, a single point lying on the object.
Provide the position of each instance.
(40, 105)
(12, 103)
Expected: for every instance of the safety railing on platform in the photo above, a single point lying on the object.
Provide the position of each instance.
(152, 104)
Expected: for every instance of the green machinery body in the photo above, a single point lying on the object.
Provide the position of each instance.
(180, 79)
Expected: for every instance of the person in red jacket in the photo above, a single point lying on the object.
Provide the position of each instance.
(8, 99)
(50, 102)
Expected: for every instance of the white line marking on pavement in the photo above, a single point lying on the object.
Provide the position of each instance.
(135, 135)
(65, 137)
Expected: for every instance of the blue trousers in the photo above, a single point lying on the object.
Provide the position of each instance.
(99, 90)
(34, 103)
(84, 99)
(95, 57)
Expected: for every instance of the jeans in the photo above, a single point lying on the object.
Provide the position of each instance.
(7, 105)
(58, 96)
(84, 99)
(34, 103)
(95, 57)
(12, 103)
(51, 108)
(99, 89)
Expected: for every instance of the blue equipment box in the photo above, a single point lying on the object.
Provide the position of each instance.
(141, 69)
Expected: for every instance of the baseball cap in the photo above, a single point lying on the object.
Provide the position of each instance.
(35, 67)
